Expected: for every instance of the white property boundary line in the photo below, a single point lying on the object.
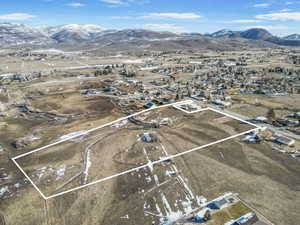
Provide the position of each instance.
(177, 106)
(137, 168)
(256, 211)
(97, 128)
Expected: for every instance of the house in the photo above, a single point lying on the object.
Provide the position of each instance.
(109, 89)
(295, 115)
(149, 105)
(281, 140)
(2, 114)
(262, 119)
(146, 137)
(287, 123)
(251, 139)
(90, 92)
(247, 219)
(221, 103)
(218, 204)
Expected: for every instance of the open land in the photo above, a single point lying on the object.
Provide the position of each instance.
(58, 99)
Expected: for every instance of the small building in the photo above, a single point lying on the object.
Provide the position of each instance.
(218, 204)
(221, 103)
(283, 140)
(109, 89)
(149, 105)
(147, 137)
(251, 139)
(261, 119)
(248, 219)
(295, 115)
(90, 92)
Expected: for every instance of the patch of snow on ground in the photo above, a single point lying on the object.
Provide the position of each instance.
(120, 124)
(133, 61)
(156, 179)
(125, 217)
(61, 171)
(4, 190)
(170, 173)
(73, 134)
(88, 165)
(148, 179)
(17, 185)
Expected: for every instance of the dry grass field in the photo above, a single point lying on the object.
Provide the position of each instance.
(118, 148)
(266, 180)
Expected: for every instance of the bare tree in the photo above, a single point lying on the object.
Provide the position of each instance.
(271, 115)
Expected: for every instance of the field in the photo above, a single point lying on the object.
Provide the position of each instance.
(269, 182)
(121, 147)
(126, 173)
(258, 105)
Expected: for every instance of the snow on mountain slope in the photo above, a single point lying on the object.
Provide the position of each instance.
(15, 34)
(293, 37)
(222, 33)
(80, 34)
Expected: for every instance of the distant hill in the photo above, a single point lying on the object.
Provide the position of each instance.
(259, 35)
(15, 34)
(256, 34)
(76, 35)
(293, 37)
(224, 33)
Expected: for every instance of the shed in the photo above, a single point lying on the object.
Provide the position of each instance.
(248, 219)
(146, 137)
(284, 141)
(218, 204)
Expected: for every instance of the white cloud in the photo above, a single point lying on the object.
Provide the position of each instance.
(292, 3)
(16, 16)
(76, 4)
(262, 5)
(284, 10)
(166, 27)
(118, 3)
(115, 2)
(269, 27)
(174, 15)
(284, 16)
(244, 21)
(122, 17)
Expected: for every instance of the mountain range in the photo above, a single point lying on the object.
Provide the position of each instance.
(258, 34)
(92, 35)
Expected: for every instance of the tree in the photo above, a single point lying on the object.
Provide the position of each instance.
(105, 72)
(271, 115)
(98, 73)
(207, 216)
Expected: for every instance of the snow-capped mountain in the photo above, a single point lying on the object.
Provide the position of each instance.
(293, 37)
(256, 34)
(80, 35)
(74, 32)
(223, 33)
(135, 35)
(82, 28)
(15, 34)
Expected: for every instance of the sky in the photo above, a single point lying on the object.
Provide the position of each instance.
(280, 17)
